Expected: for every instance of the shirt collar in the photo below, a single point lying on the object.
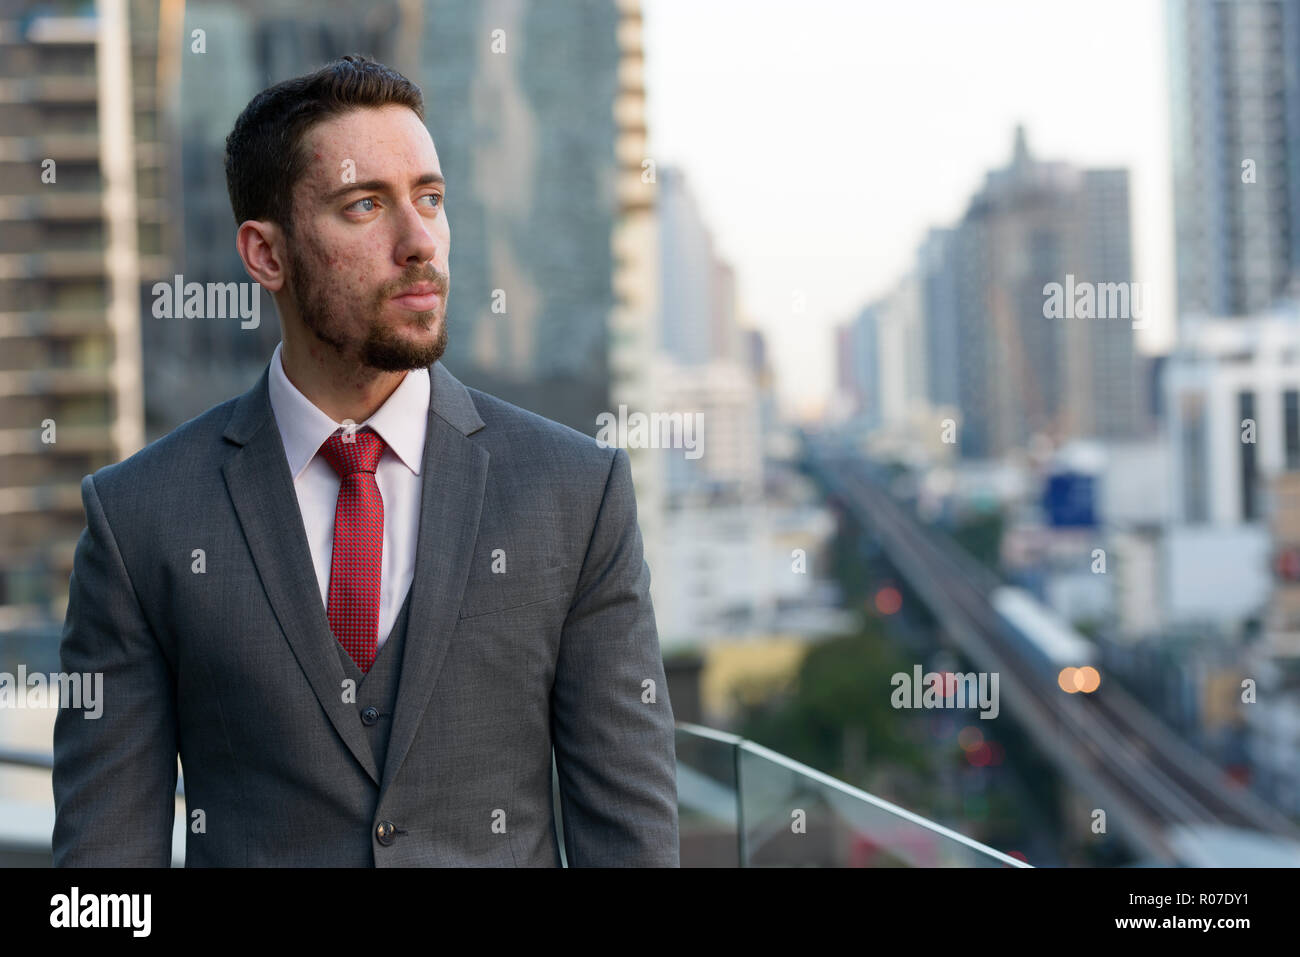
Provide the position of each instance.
(401, 421)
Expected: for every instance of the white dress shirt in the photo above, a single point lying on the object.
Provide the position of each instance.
(401, 422)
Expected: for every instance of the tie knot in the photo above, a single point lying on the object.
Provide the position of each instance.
(358, 451)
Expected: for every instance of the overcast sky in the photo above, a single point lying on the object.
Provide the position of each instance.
(823, 137)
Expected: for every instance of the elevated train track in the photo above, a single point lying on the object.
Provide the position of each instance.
(1145, 777)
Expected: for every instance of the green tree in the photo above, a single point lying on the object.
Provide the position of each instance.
(843, 683)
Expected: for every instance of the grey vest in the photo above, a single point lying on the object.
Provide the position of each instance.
(377, 689)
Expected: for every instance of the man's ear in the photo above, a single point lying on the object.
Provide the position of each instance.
(261, 245)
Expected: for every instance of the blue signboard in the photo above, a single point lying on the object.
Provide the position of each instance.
(1069, 500)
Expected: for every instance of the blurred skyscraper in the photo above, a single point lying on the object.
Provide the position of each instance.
(939, 305)
(705, 368)
(634, 320)
(527, 105)
(967, 332)
(690, 274)
(220, 55)
(1235, 129)
(755, 353)
(1231, 388)
(1019, 372)
(857, 352)
(82, 174)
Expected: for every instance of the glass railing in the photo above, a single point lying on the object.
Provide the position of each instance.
(743, 805)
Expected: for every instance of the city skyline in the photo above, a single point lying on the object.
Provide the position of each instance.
(712, 99)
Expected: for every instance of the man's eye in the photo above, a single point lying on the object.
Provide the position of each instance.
(371, 200)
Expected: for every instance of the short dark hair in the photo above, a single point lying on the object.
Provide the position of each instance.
(264, 153)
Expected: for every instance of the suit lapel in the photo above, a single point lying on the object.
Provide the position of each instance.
(267, 505)
(453, 478)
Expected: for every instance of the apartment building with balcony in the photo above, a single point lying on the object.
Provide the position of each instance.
(81, 221)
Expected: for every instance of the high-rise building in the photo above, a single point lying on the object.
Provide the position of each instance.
(1106, 394)
(698, 295)
(706, 370)
(754, 348)
(1232, 400)
(727, 337)
(1235, 131)
(530, 106)
(858, 350)
(938, 291)
(633, 327)
(886, 362)
(223, 54)
(900, 365)
(82, 175)
(1023, 369)
(530, 109)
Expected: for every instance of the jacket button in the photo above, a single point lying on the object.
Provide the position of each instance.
(384, 832)
(369, 716)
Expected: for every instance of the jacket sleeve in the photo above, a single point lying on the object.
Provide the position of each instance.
(612, 723)
(114, 775)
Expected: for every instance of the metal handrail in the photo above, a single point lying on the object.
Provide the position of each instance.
(27, 759)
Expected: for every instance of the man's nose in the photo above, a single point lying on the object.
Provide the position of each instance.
(416, 242)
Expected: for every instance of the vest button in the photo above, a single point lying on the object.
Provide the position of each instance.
(384, 832)
(369, 716)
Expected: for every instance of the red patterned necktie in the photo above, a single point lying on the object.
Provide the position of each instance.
(358, 543)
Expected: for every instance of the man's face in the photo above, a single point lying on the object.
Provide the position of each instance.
(368, 226)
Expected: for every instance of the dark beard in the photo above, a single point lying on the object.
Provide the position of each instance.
(381, 349)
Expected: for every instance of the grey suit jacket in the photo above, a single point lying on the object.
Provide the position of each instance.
(235, 669)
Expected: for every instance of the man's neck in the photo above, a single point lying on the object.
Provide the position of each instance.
(343, 392)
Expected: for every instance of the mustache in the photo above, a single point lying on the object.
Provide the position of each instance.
(427, 273)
